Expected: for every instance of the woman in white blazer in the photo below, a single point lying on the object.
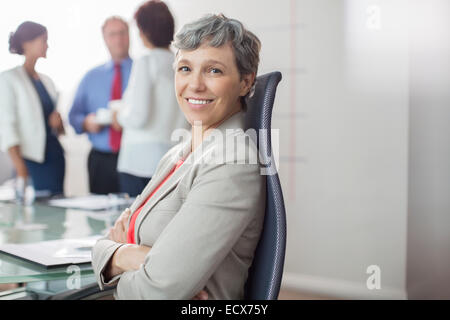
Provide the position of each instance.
(148, 112)
(29, 123)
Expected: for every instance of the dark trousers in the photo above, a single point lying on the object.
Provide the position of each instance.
(49, 175)
(103, 175)
(132, 185)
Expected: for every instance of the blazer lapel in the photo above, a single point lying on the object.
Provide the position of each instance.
(35, 102)
(190, 159)
(166, 188)
(54, 95)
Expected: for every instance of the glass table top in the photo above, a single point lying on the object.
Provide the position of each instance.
(39, 222)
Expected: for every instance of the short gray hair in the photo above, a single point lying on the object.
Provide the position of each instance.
(217, 30)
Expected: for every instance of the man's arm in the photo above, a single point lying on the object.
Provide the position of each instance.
(78, 111)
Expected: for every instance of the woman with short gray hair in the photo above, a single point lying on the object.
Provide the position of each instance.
(216, 31)
(194, 229)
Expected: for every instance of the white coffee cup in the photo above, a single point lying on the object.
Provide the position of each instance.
(103, 116)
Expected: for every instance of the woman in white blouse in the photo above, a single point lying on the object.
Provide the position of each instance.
(148, 112)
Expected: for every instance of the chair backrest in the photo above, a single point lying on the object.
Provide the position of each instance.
(264, 278)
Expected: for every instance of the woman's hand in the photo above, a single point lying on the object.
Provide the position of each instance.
(55, 122)
(129, 257)
(132, 256)
(118, 233)
(90, 124)
(202, 295)
(115, 123)
(18, 161)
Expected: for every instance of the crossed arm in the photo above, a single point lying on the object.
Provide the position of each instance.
(202, 233)
(129, 257)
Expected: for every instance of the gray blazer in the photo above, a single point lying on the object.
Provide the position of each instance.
(203, 224)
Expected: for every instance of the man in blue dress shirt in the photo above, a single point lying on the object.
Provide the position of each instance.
(99, 86)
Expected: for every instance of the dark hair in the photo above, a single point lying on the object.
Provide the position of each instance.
(27, 31)
(156, 22)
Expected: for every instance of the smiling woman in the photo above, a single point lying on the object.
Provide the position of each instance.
(209, 90)
(216, 66)
(195, 227)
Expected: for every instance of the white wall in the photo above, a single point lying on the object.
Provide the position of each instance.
(429, 183)
(342, 111)
(347, 205)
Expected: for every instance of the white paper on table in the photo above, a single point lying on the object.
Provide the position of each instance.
(8, 193)
(92, 202)
(55, 252)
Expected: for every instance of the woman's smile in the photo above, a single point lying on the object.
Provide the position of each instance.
(199, 103)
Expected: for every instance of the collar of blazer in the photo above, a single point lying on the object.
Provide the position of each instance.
(181, 151)
(30, 86)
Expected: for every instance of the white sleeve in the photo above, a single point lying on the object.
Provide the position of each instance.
(137, 100)
(9, 135)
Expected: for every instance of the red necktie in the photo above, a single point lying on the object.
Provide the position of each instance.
(116, 94)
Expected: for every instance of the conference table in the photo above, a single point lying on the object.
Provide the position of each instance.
(20, 224)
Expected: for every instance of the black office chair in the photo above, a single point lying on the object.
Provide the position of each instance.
(265, 274)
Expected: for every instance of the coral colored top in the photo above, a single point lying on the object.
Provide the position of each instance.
(130, 234)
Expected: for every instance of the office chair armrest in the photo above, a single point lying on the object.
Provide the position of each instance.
(88, 292)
